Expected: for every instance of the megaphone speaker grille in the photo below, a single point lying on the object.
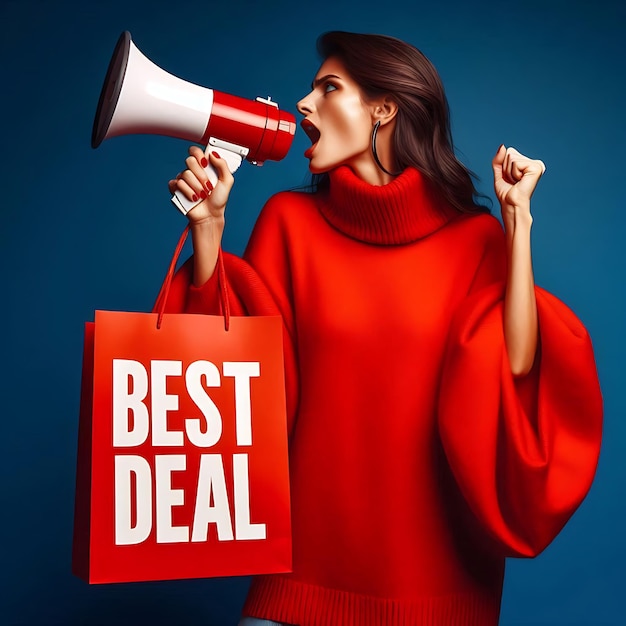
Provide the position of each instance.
(111, 89)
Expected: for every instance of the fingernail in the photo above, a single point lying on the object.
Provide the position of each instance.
(501, 146)
(208, 185)
(203, 194)
(204, 162)
(194, 198)
(216, 155)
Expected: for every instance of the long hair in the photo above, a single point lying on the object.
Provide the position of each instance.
(383, 65)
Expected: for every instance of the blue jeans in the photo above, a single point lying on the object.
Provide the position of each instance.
(255, 621)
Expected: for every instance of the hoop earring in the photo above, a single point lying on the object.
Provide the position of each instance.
(375, 153)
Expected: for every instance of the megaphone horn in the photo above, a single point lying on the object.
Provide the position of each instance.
(138, 97)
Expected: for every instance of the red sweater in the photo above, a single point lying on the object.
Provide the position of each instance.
(417, 461)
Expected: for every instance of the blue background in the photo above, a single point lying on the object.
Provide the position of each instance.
(84, 229)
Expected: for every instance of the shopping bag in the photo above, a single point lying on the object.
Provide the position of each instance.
(182, 465)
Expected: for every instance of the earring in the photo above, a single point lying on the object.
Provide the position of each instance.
(375, 153)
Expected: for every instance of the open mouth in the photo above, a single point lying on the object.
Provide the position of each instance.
(312, 133)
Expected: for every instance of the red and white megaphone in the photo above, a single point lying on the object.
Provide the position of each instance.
(139, 97)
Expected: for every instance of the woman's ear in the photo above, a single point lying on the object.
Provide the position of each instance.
(384, 110)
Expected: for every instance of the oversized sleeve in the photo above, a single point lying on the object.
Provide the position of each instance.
(523, 451)
(250, 291)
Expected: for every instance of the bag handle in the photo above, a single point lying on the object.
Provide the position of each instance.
(159, 305)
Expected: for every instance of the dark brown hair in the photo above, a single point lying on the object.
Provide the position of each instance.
(384, 65)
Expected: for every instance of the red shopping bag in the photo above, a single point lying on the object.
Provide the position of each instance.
(182, 456)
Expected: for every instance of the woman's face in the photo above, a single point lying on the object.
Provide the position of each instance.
(337, 120)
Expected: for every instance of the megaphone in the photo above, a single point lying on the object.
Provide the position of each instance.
(140, 97)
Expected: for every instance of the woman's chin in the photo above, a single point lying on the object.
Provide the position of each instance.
(315, 167)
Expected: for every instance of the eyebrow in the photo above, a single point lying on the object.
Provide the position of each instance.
(322, 79)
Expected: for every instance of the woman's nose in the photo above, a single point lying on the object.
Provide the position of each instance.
(305, 105)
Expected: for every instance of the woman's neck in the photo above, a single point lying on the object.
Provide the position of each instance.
(371, 174)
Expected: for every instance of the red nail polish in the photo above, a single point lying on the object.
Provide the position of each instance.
(204, 162)
(203, 194)
(216, 155)
(208, 185)
(194, 198)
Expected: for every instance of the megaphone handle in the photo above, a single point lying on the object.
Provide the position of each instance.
(233, 160)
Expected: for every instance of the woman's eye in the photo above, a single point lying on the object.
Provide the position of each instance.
(328, 87)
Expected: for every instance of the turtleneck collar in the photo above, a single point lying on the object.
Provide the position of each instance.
(405, 210)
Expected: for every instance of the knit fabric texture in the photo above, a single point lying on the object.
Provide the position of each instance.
(417, 461)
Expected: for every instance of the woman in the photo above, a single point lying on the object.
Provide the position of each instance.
(444, 413)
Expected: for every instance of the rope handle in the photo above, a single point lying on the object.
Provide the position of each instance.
(159, 305)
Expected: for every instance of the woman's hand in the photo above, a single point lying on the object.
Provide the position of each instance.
(207, 217)
(194, 184)
(515, 177)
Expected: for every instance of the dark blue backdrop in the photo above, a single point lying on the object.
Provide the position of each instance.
(85, 229)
